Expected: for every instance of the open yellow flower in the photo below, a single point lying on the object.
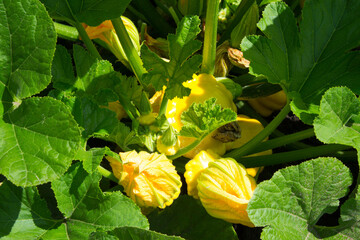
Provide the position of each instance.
(150, 179)
(224, 189)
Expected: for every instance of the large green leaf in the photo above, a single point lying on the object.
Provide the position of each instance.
(182, 64)
(27, 45)
(91, 12)
(132, 233)
(188, 219)
(38, 141)
(306, 64)
(23, 214)
(86, 208)
(339, 118)
(292, 201)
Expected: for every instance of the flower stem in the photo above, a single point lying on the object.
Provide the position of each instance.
(66, 31)
(186, 149)
(284, 140)
(129, 49)
(291, 156)
(239, 14)
(85, 38)
(107, 174)
(249, 146)
(209, 50)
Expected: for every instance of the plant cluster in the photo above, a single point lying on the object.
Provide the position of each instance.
(161, 119)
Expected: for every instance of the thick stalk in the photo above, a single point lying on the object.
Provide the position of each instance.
(66, 31)
(129, 49)
(209, 50)
(85, 38)
(247, 110)
(239, 14)
(249, 146)
(284, 140)
(286, 157)
(107, 174)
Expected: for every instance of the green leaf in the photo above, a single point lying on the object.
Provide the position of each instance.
(86, 208)
(339, 118)
(264, 2)
(120, 135)
(95, 120)
(38, 141)
(132, 233)
(62, 70)
(308, 63)
(203, 118)
(91, 159)
(182, 64)
(187, 218)
(292, 201)
(349, 227)
(23, 214)
(27, 47)
(91, 12)
(246, 26)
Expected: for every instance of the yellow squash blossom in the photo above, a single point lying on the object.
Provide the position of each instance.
(150, 179)
(224, 189)
(106, 32)
(193, 169)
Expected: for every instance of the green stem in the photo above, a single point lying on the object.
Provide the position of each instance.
(129, 49)
(249, 111)
(249, 146)
(85, 38)
(284, 140)
(163, 106)
(174, 15)
(291, 156)
(66, 31)
(239, 14)
(186, 149)
(107, 174)
(209, 50)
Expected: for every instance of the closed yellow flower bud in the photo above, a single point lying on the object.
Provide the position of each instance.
(224, 189)
(149, 179)
(106, 32)
(193, 169)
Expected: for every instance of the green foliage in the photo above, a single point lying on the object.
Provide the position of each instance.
(188, 219)
(91, 12)
(23, 213)
(132, 233)
(39, 140)
(87, 208)
(39, 136)
(26, 54)
(306, 64)
(339, 118)
(182, 64)
(203, 118)
(292, 201)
